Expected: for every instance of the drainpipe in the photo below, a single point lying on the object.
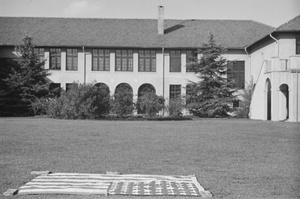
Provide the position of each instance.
(297, 97)
(84, 64)
(163, 54)
(276, 40)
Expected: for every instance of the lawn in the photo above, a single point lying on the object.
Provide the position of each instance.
(232, 158)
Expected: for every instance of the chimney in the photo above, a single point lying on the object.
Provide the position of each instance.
(160, 20)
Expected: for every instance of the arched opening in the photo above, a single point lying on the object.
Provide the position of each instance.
(143, 89)
(268, 99)
(284, 102)
(123, 102)
(103, 86)
(123, 87)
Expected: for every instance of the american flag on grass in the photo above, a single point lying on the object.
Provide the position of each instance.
(114, 184)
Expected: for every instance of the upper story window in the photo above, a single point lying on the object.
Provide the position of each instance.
(40, 52)
(72, 59)
(191, 56)
(124, 60)
(147, 60)
(100, 60)
(55, 58)
(236, 71)
(298, 44)
(175, 61)
(175, 91)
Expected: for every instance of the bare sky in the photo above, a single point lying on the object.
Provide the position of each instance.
(271, 12)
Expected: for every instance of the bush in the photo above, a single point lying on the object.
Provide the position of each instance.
(80, 102)
(122, 104)
(151, 104)
(175, 107)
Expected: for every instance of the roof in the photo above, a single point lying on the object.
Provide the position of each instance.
(292, 25)
(94, 32)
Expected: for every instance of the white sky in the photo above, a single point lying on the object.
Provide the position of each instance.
(271, 12)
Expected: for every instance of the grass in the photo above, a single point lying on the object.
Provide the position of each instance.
(232, 158)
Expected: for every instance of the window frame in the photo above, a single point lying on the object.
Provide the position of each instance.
(190, 58)
(143, 57)
(125, 62)
(175, 60)
(102, 59)
(71, 59)
(55, 58)
(40, 52)
(236, 71)
(175, 91)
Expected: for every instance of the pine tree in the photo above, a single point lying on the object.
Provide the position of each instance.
(212, 96)
(26, 80)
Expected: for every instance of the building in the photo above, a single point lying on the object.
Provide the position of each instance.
(153, 54)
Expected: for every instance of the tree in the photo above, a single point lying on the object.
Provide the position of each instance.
(212, 96)
(27, 77)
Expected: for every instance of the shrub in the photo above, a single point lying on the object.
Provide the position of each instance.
(122, 104)
(80, 102)
(175, 107)
(151, 104)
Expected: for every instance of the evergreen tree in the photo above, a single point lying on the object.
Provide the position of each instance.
(26, 80)
(212, 96)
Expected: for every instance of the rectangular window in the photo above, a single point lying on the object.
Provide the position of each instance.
(175, 61)
(147, 60)
(72, 59)
(175, 91)
(69, 86)
(235, 103)
(189, 93)
(124, 60)
(298, 44)
(236, 71)
(101, 60)
(55, 58)
(55, 89)
(191, 56)
(40, 52)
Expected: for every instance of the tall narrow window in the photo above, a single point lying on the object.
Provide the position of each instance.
(124, 60)
(189, 93)
(175, 61)
(298, 44)
(175, 91)
(40, 52)
(72, 59)
(236, 71)
(55, 58)
(191, 56)
(147, 61)
(100, 60)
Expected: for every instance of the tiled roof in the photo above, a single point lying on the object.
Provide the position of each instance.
(292, 25)
(129, 32)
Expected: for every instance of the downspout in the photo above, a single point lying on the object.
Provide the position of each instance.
(84, 64)
(276, 40)
(297, 97)
(163, 54)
